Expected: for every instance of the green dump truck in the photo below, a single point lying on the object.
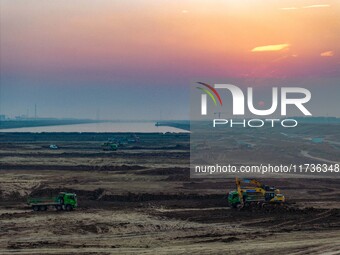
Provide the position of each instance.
(64, 201)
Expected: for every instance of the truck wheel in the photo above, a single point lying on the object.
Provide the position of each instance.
(68, 208)
(35, 208)
(239, 207)
(58, 207)
(43, 208)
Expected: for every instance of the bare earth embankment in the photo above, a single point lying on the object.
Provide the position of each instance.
(140, 200)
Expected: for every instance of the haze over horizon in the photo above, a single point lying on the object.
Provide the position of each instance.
(136, 60)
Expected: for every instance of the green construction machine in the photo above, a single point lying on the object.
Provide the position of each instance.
(63, 201)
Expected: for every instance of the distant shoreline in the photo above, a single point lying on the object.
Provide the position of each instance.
(185, 125)
(7, 124)
(91, 126)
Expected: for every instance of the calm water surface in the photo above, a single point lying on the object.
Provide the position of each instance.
(141, 127)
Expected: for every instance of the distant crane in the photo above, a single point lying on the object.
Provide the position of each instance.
(35, 111)
(219, 114)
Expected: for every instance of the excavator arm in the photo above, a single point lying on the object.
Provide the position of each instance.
(239, 191)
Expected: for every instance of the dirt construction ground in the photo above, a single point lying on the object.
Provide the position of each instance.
(140, 200)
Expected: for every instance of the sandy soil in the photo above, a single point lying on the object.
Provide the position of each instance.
(140, 200)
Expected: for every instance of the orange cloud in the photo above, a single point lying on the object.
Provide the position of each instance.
(274, 47)
(327, 54)
(316, 6)
(306, 7)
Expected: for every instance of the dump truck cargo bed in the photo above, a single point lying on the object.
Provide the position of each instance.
(43, 201)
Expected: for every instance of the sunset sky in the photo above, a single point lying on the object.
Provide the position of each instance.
(137, 59)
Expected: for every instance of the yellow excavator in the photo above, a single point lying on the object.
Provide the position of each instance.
(256, 194)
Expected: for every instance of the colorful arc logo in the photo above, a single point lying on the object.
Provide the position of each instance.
(211, 89)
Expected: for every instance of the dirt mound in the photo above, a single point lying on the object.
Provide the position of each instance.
(81, 194)
(72, 167)
(165, 171)
(292, 219)
(99, 194)
(142, 197)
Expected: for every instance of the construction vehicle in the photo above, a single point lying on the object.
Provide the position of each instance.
(257, 194)
(54, 147)
(133, 139)
(110, 146)
(64, 201)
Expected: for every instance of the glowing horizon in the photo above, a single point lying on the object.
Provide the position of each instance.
(112, 39)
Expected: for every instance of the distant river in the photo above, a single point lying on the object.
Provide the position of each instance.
(106, 127)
